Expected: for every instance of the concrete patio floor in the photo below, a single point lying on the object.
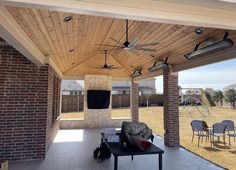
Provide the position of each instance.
(72, 150)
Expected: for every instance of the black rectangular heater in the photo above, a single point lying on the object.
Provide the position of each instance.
(98, 99)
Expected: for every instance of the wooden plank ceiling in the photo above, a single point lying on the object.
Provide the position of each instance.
(72, 45)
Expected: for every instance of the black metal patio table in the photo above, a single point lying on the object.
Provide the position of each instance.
(118, 150)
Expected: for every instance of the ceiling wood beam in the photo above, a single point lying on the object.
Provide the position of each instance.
(154, 11)
(121, 64)
(77, 65)
(66, 77)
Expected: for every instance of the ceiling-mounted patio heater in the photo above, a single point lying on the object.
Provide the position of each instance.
(136, 73)
(157, 66)
(198, 52)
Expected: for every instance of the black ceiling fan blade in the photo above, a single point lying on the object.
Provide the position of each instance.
(116, 48)
(116, 41)
(96, 67)
(134, 50)
(108, 45)
(146, 49)
(104, 67)
(116, 68)
(146, 44)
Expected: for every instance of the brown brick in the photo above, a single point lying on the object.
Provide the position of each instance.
(134, 101)
(171, 108)
(27, 95)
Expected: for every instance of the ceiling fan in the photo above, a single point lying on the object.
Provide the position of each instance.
(106, 66)
(134, 48)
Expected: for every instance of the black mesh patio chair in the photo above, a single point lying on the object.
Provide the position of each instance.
(198, 130)
(230, 129)
(218, 130)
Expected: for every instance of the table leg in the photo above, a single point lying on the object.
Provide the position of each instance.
(160, 161)
(115, 162)
(132, 157)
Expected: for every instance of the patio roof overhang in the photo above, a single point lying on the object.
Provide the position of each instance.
(37, 30)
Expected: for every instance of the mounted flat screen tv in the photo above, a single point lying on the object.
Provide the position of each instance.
(98, 99)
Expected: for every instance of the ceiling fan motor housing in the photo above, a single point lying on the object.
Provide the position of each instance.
(126, 44)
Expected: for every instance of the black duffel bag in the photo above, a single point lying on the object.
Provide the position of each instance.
(102, 152)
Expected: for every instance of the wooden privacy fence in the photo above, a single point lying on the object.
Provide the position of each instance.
(72, 103)
(75, 103)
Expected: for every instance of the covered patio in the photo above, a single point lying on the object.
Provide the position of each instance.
(72, 150)
(44, 42)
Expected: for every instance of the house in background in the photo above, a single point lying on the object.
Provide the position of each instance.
(146, 86)
(71, 87)
(74, 87)
(193, 91)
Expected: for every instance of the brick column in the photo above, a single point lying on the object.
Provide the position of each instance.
(171, 108)
(134, 99)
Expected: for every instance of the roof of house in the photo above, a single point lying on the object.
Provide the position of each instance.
(71, 85)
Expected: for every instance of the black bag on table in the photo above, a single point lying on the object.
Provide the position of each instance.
(102, 152)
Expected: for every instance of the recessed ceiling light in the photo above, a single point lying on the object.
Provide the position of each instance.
(199, 31)
(67, 19)
(71, 50)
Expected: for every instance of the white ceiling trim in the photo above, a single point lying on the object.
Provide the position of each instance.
(154, 11)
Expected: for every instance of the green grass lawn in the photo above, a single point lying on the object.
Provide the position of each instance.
(224, 156)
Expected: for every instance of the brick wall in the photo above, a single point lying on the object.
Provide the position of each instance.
(171, 108)
(134, 101)
(26, 104)
(53, 106)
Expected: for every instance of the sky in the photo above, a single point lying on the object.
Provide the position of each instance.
(216, 76)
